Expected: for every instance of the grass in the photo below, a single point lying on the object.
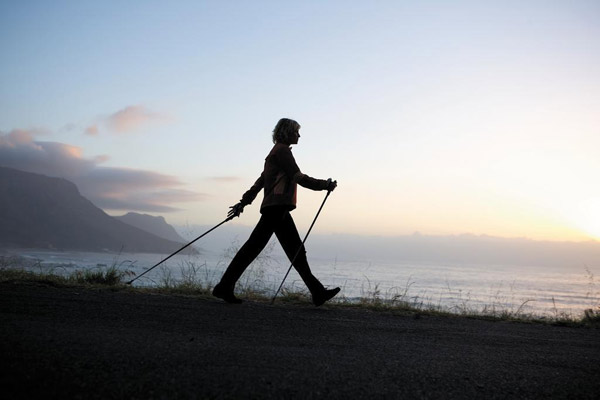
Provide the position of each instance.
(12, 269)
(198, 280)
(109, 276)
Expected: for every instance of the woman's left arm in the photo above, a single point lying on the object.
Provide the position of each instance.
(288, 164)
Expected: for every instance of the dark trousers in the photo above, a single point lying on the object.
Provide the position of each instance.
(279, 221)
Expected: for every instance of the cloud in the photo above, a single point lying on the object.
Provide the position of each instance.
(15, 138)
(92, 130)
(18, 150)
(119, 189)
(150, 201)
(127, 120)
(68, 127)
(135, 190)
(100, 159)
(224, 179)
(132, 118)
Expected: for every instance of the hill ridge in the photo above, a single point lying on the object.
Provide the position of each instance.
(38, 211)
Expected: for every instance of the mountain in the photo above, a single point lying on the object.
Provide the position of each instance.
(155, 225)
(43, 212)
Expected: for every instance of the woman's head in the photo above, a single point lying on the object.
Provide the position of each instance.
(286, 131)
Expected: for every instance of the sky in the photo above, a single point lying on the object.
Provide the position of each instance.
(436, 117)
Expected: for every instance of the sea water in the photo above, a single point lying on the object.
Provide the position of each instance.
(449, 286)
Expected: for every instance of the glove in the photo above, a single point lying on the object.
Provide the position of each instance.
(332, 185)
(236, 210)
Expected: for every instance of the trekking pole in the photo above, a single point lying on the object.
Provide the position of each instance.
(301, 246)
(190, 243)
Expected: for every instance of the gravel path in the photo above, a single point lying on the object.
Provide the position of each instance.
(86, 343)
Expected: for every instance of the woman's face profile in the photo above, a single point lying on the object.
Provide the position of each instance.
(294, 136)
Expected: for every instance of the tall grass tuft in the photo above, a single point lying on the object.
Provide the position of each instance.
(109, 276)
(592, 315)
(18, 268)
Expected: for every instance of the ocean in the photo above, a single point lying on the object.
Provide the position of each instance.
(461, 288)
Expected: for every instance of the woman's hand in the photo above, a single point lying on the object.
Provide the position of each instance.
(332, 185)
(236, 210)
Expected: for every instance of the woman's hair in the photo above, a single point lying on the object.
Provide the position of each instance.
(284, 128)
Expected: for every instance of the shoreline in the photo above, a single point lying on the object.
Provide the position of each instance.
(114, 278)
(462, 290)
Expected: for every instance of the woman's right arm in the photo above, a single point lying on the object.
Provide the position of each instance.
(247, 198)
(251, 194)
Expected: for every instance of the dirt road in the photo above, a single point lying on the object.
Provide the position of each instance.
(84, 343)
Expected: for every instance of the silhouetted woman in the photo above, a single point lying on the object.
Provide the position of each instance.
(279, 180)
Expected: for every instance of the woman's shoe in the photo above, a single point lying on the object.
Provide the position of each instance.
(324, 296)
(225, 294)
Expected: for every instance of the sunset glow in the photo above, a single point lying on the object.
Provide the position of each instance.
(586, 217)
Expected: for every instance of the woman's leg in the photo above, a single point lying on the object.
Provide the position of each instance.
(250, 250)
(288, 236)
